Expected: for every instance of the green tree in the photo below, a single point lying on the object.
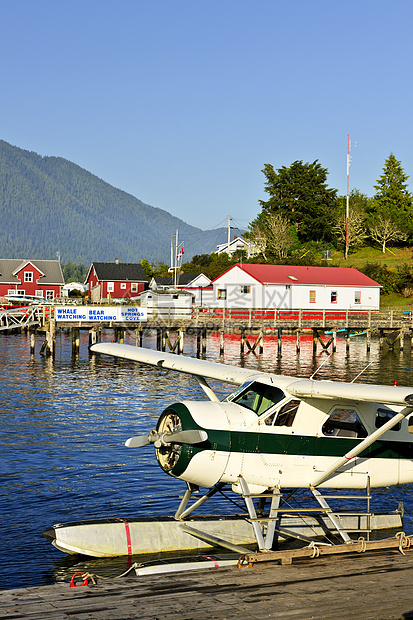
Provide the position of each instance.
(391, 208)
(74, 273)
(300, 194)
(381, 274)
(147, 267)
(161, 269)
(212, 265)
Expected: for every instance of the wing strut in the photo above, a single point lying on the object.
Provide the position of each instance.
(208, 391)
(363, 445)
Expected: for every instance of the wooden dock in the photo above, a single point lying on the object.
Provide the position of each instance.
(373, 585)
(252, 325)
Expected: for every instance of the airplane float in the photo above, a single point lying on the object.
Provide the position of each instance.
(271, 433)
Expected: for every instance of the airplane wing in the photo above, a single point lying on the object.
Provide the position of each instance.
(306, 389)
(180, 363)
(355, 392)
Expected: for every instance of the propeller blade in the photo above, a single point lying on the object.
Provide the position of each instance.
(191, 437)
(139, 441)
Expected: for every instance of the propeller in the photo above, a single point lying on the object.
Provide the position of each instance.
(163, 439)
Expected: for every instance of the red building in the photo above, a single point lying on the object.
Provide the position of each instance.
(42, 278)
(115, 280)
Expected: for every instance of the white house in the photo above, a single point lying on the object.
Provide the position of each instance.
(238, 243)
(292, 287)
(198, 284)
(72, 286)
(164, 303)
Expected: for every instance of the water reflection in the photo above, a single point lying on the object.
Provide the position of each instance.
(64, 423)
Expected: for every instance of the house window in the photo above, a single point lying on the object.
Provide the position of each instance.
(123, 285)
(222, 293)
(39, 293)
(312, 297)
(28, 276)
(245, 289)
(357, 297)
(134, 287)
(111, 287)
(333, 297)
(49, 295)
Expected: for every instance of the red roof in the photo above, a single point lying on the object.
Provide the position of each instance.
(290, 274)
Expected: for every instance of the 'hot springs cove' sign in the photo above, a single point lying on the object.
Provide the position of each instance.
(123, 314)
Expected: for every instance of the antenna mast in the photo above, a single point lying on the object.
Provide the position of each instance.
(347, 196)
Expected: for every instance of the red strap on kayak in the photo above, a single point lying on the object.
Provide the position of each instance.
(128, 539)
(75, 585)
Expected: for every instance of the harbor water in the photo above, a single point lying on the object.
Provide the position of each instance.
(64, 423)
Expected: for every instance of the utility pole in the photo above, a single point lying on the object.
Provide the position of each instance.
(229, 232)
(348, 195)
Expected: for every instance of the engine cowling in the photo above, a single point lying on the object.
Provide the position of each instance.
(203, 463)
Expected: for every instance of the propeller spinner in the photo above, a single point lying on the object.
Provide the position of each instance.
(169, 439)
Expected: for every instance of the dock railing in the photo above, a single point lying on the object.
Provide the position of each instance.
(299, 318)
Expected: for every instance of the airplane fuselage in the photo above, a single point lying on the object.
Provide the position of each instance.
(288, 444)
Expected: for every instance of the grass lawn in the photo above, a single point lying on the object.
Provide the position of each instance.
(393, 257)
(394, 301)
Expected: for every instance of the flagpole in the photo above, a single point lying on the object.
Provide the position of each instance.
(176, 259)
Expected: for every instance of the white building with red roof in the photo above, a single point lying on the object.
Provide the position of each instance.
(294, 287)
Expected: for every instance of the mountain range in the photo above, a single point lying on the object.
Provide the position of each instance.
(52, 207)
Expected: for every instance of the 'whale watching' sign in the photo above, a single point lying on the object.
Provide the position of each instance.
(123, 314)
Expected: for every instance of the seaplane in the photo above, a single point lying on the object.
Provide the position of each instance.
(270, 434)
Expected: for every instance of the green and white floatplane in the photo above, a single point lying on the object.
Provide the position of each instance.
(270, 434)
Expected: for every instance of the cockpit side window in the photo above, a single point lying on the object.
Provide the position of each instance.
(258, 397)
(285, 415)
(344, 423)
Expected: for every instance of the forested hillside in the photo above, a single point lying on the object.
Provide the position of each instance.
(49, 205)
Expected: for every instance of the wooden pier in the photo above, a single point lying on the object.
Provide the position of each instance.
(373, 585)
(252, 325)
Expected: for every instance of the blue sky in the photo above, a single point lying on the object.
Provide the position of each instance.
(181, 103)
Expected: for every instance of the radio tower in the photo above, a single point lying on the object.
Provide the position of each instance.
(347, 196)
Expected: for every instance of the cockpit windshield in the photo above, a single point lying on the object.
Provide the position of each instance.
(258, 397)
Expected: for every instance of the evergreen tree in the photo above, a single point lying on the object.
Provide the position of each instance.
(391, 209)
(300, 194)
(148, 269)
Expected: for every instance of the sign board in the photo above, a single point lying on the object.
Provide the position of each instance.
(96, 314)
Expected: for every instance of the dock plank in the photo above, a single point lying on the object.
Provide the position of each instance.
(373, 586)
